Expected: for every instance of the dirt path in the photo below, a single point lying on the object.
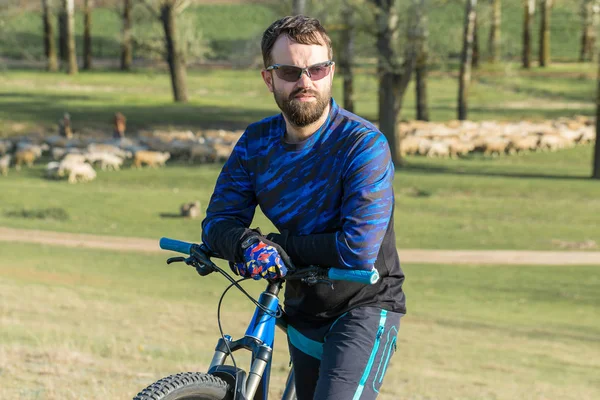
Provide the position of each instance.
(507, 257)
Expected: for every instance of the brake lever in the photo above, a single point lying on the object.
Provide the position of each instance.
(313, 280)
(201, 268)
(311, 276)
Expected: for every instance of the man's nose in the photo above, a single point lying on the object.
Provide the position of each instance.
(304, 80)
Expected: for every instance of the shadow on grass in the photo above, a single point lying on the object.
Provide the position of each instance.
(469, 171)
(47, 109)
(171, 215)
(45, 98)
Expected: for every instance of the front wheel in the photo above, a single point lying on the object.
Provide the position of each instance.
(187, 386)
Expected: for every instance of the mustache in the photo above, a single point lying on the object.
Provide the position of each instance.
(303, 91)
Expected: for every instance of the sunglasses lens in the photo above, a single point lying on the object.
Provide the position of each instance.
(291, 73)
(288, 73)
(318, 71)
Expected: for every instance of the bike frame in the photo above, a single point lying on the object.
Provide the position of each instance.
(259, 338)
(260, 334)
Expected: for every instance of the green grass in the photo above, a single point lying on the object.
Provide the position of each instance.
(533, 201)
(33, 100)
(98, 324)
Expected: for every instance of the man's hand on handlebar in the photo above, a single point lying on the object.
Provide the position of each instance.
(262, 259)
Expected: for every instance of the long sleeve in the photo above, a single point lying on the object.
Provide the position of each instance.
(366, 212)
(231, 207)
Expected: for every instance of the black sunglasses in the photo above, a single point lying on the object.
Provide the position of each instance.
(291, 73)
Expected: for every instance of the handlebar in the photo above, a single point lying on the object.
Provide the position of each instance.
(360, 276)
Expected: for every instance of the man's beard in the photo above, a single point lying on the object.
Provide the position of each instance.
(301, 113)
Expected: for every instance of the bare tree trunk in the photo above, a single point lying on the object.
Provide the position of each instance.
(49, 46)
(87, 34)
(596, 167)
(465, 62)
(298, 7)
(544, 58)
(62, 33)
(529, 8)
(475, 57)
(346, 56)
(494, 40)
(69, 7)
(175, 55)
(126, 53)
(421, 63)
(393, 75)
(388, 74)
(589, 16)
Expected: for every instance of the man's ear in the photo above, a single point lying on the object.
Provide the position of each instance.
(268, 78)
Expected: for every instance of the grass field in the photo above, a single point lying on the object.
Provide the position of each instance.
(92, 324)
(537, 201)
(80, 323)
(33, 100)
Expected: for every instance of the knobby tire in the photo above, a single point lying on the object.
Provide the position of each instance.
(187, 386)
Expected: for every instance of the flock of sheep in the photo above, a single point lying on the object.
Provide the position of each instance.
(77, 158)
(459, 138)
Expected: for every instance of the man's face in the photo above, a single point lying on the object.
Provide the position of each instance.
(303, 101)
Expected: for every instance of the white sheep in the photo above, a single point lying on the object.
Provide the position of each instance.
(495, 146)
(108, 148)
(460, 148)
(4, 164)
(553, 142)
(409, 145)
(203, 151)
(74, 158)
(439, 149)
(150, 158)
(521, 144)
(106, 160)
(81, 173)
(5, 146)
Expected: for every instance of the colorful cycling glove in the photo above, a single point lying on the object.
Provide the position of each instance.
(261, 261)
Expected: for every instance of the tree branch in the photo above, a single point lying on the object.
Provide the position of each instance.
(150, 7)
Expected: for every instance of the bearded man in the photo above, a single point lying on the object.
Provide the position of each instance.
(324, 177)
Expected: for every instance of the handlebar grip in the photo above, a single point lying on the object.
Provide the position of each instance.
(353, 275)
(175, 245)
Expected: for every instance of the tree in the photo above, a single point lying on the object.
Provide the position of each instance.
(175, 54)
(494, 38)
(596, 166)
(298, 7)
(589, 16)
(393, 70)
(346, 55)
(71, 58)
(175, 42)
(62, 32)
(465, 58)
(126, 51)
(49, 47)
(87, 34)
(421, 62)
(529, 8)
(475, 56)
(545, 7)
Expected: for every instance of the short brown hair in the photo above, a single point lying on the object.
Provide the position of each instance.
(300, 29)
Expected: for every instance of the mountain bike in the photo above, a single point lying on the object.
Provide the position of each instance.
(230, 382)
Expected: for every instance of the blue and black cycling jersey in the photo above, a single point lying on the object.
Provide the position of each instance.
(331, 194)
